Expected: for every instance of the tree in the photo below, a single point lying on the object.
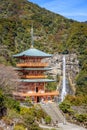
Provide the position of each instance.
(3, 109)
(8, 79)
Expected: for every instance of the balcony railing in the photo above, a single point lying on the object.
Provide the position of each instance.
(32, 64)
(18, 94)
(34, 77)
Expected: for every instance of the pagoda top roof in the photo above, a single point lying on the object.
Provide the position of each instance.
(36, 80)
(32, 52)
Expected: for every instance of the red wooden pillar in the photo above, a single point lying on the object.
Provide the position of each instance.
(36, 99)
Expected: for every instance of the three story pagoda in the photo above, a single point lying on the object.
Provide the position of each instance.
(31, 69)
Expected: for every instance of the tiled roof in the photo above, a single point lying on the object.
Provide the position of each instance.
(33, 68)
(33, 52)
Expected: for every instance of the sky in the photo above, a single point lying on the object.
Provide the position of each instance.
(72, 9)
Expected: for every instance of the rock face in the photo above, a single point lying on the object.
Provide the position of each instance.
(56, 63)
(72, 69)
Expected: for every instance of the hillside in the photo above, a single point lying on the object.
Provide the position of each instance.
(16, 19)
(52, 33)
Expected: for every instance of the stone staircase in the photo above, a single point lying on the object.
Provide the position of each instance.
(53, 111)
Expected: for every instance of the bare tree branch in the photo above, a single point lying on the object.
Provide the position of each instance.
(8, 79)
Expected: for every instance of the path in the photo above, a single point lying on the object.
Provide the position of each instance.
(67, 126)
(53, 110)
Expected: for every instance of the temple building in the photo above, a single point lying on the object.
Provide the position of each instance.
(33, 80)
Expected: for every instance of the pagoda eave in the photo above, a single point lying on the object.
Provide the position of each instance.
(36, 80)
(25, 56)
(44, 69)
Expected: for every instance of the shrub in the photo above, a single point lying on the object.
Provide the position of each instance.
(81, 117)
(65, 106)
(28, 102)
(76, 100)
(19, 127)
(48, 119)
(11, 103)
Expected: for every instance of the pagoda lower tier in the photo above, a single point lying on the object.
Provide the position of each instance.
(35, 90)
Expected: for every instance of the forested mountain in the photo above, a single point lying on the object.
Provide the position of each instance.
(52, 33)
(16, 18)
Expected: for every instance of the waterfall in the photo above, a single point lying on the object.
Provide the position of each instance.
(63, 92)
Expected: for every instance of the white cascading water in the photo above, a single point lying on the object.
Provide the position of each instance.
(63, 93)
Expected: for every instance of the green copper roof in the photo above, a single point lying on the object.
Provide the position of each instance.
(37, 80)
(33, 68)
(33, 52)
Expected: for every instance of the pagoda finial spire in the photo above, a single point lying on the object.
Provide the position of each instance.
(32, 37)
